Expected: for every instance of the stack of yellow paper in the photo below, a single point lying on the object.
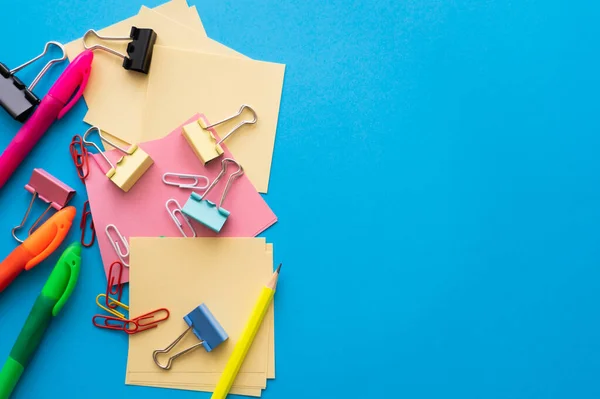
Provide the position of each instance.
(190, 73)
(226, 274)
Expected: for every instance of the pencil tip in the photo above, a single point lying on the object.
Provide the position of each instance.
(278, 268)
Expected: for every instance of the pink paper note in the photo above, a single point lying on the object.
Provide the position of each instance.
(141, 212)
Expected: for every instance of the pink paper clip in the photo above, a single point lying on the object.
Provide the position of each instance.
(49, 189)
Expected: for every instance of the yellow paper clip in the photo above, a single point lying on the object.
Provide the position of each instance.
(203, 141)
(113, 301)
(129, 169)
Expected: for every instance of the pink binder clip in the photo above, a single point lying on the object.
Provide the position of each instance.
(50, 190)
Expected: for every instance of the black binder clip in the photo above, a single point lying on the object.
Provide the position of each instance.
(17, 98)
(139, 50)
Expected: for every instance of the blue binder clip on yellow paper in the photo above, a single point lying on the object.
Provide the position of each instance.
(204, 326)
(207, 212)
(129, 168)
(202, 140)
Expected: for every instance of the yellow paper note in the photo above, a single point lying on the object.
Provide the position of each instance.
(180, 12)
(203, 388)
(185, 82)
(115, 96)
(221, 272)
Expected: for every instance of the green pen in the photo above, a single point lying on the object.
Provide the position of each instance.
(48, 304)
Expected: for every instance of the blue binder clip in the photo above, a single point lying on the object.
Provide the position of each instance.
(204, 326)
(207, 212)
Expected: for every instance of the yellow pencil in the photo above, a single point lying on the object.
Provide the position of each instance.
(243, 345)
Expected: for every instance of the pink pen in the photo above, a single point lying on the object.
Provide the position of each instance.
(59, 100)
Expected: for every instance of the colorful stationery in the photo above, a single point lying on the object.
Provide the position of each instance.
(204, 325)
(128, 169)
(60, 99)
(139, 49)
(183, 82)
(141, 211)
(47, 188)
(116, 98)
(245, 342)
(15, 97)
(224, 273)
(37, 247)
(49, 303)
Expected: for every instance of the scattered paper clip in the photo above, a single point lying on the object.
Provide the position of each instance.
(121, 246)
(114, 285)
(112, 310)
(177, 211)
(139, 50)
(202, 139)
(181, 178)
(114, 323)
(49, 189)
(85, 216)
(79, 154)
(133, 326)
(17, 98)
(153, 317)
(207, 212)
(129, 168)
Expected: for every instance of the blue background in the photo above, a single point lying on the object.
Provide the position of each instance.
(436, 181)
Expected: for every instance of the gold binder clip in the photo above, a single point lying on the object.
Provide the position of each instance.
(130, 168)
(202, 139)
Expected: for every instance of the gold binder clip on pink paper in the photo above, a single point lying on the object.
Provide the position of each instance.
(129, 168)
(203, 141)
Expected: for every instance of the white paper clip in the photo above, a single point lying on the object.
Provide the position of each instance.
(173, 213)
(180, 179)
(116, 244)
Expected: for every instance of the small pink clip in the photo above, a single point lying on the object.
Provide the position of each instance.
(49, 189)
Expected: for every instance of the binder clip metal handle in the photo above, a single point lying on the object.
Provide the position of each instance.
(104, 138)
(91, 143)
(239, 125)
(101, 47)
(139, 50)
(232, 177)
(46, 67)
(204, 326)
(171, 359)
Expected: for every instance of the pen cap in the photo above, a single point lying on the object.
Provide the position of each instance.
(69, 86)
(63, 277)
(48, 237)
(205, 327)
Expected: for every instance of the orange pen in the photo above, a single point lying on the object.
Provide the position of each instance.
(38, 246)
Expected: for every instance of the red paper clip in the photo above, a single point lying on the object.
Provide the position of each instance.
(87, 214)
(79, 154)
(150, 316)
(114, 323)
(114, 279)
